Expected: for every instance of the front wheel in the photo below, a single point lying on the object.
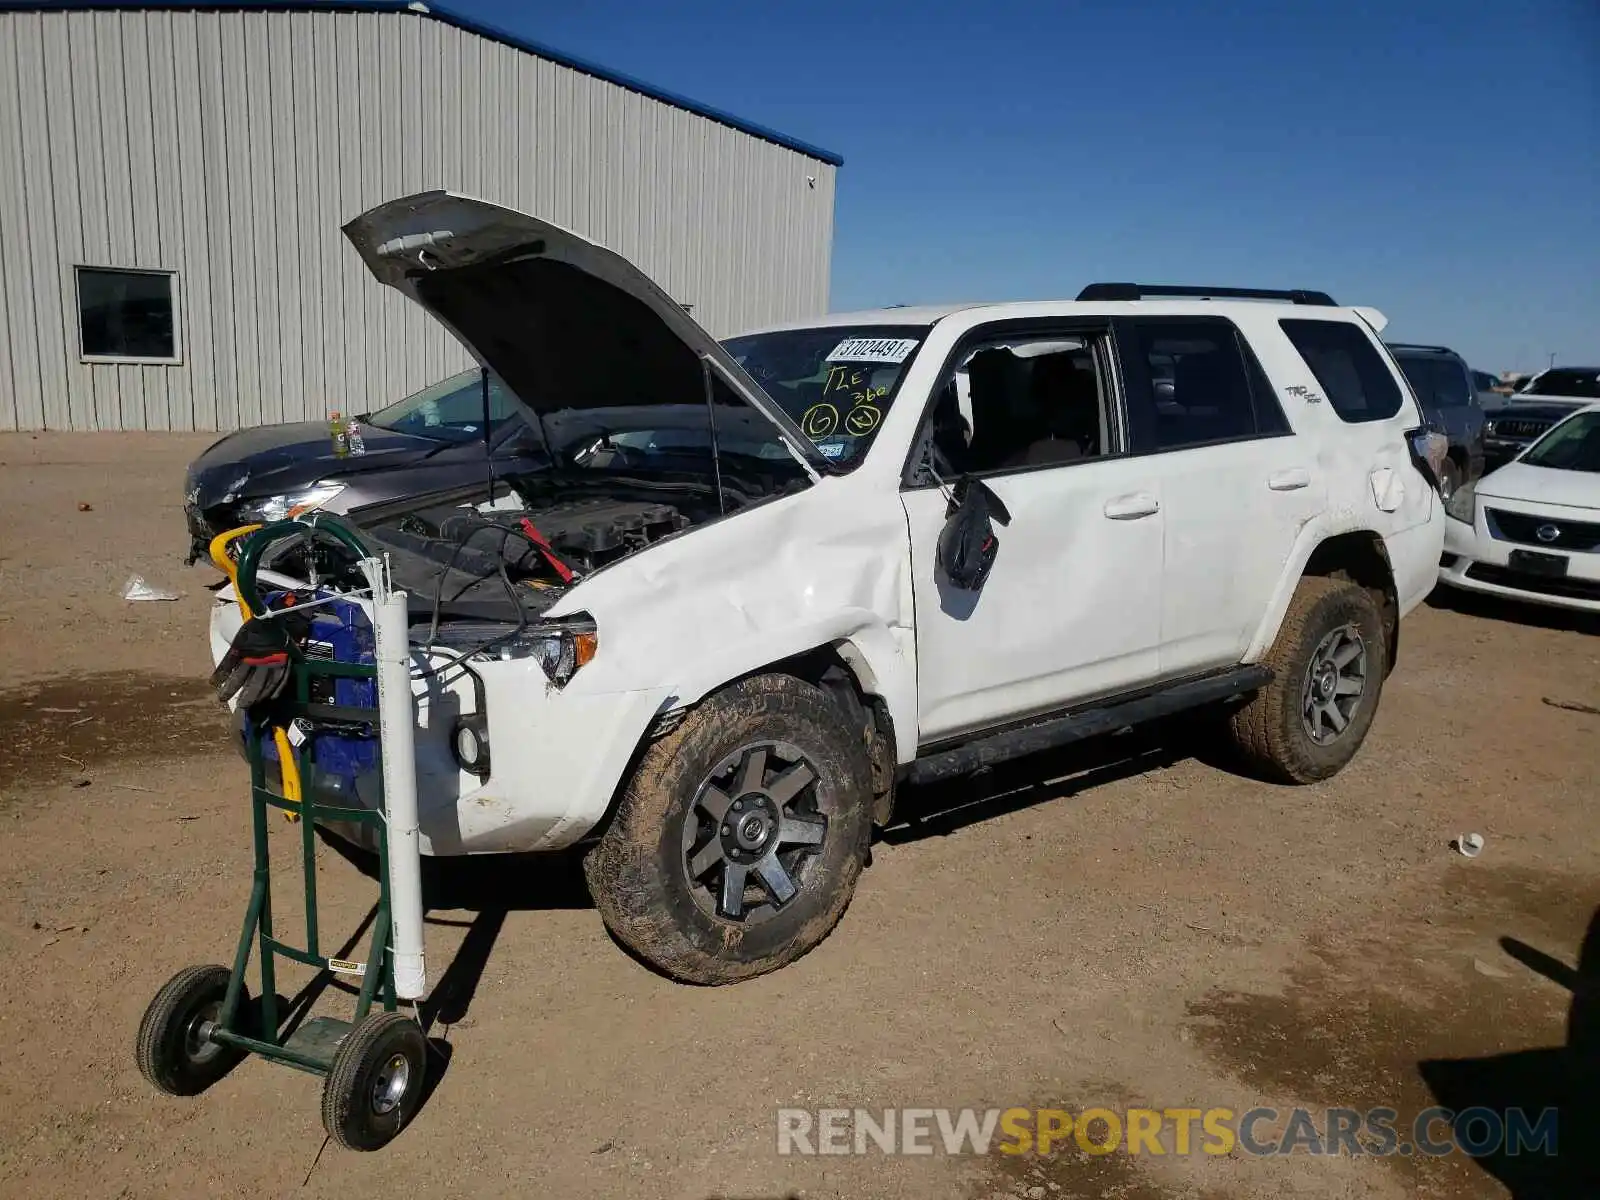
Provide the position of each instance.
(1328, 664)
(740, 836)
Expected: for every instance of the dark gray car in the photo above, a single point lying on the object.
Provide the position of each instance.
(459, 431)
(1444, 386)
(1530, 412)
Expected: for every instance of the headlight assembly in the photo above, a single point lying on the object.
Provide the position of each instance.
(1462, 503)
(288, 505)
(561, 648)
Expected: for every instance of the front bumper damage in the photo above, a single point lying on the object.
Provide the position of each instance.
(556, 754)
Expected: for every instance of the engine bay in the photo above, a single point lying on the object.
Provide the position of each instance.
(486, 561)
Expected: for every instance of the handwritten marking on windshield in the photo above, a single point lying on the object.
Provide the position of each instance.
(819, 421)
(862, 420)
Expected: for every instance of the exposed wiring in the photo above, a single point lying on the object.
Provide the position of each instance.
(507, 532)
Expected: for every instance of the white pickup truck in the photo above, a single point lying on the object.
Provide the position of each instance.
(763, 581)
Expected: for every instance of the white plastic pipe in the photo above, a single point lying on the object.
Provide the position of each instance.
(397, 720)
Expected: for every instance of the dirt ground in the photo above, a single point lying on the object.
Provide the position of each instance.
(1129, 925)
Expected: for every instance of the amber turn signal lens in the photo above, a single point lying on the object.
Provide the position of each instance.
(584, 645)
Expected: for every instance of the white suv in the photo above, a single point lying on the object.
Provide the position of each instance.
(763, 581)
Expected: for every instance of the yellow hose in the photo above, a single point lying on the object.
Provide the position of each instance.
(288, 767)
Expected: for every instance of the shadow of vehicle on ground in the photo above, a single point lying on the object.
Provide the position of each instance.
(492, 886)
(939, 809)
(1565, 1079)
(1513, 612)
(481, 882)
(488, 888)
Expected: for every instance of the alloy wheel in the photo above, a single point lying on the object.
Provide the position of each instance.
(753, 832)
(1336, 681)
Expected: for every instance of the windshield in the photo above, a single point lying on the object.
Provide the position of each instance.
(837, 382)
(1581, 382)
(450, 410)
(1573, 445)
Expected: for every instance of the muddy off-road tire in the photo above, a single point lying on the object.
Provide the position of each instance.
(1329, 662)
(739, 838)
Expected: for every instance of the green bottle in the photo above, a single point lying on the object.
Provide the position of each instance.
(340, 435)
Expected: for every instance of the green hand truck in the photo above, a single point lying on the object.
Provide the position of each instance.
(203, 1022)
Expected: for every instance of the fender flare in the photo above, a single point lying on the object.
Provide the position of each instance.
(883, 665)
(1311, 535)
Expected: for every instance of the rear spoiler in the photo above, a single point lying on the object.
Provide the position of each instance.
(1372, 317)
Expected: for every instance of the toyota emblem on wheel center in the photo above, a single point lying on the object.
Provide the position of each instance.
(1547, 533)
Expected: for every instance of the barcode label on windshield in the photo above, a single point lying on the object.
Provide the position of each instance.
(873, 350)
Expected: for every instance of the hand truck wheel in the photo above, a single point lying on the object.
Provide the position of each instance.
(175, 1050)
(375, 1082)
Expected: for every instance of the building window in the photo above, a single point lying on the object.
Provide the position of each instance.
(127, 316)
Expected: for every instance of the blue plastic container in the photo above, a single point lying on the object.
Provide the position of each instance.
(341, 632)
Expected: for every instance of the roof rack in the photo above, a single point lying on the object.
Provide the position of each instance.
(1141, 291)
(1420, 346)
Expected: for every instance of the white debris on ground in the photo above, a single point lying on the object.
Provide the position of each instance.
(137, 589)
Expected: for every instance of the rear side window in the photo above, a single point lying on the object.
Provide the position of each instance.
(1190, 383)
(1352, 373)
(1438, 382)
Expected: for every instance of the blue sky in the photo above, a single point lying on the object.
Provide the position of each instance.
(1438, 159)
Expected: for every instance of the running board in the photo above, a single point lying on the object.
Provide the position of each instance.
(1112, 716)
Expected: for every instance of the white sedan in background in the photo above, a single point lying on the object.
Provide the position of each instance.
(1531, 530)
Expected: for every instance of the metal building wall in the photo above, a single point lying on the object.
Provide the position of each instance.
(230, 147)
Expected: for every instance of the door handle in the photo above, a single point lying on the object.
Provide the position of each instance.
(1290, 480)
(1132, 507)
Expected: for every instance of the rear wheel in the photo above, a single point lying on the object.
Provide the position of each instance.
(1328, 665)
(740, 837)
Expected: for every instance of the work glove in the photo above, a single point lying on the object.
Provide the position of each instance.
(256, 666)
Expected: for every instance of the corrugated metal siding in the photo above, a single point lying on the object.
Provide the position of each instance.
(230, 147)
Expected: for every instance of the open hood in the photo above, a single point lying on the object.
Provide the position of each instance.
(566, 324)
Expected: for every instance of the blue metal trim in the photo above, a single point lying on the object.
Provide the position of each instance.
(467, 24)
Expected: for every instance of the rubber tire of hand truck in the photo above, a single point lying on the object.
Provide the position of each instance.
(349, 1112)
(634, 873)
(1268, 731)
(165, 1049)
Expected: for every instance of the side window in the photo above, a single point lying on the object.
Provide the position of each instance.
(1191, 382)
(1007, 404)
(1351, 372)
(1454, 388)
(1438, 382)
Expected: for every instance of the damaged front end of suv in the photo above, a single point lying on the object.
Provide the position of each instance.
(546, 643)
